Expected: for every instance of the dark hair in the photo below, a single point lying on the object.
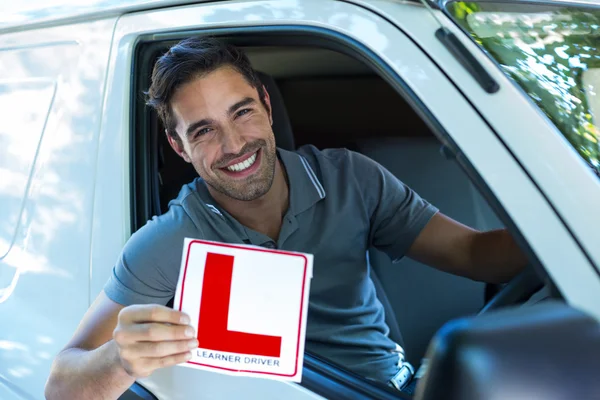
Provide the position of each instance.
(190, 59)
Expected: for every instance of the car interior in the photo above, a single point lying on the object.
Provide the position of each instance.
(331, 100)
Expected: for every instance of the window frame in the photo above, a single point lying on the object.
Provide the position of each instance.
(319, 376)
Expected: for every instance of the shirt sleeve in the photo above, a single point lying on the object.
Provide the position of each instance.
(397, 213)
(147, 269)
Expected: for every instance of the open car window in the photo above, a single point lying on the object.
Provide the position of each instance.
(553, 54)
(325, 105)
(340, 93)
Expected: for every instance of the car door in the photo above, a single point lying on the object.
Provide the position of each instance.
(564, 180)
(379, 40)
(50, 98)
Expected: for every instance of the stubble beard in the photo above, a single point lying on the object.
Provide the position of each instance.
(254, 186)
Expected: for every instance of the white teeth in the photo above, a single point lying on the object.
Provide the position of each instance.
(243, 165)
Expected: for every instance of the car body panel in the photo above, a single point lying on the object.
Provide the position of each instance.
(9, 391)
(76, 214)
(174, 384)
(30, 14)
(45, 274)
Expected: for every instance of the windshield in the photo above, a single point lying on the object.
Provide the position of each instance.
(553, 53)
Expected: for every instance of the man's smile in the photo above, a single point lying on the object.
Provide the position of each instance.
(243, 166)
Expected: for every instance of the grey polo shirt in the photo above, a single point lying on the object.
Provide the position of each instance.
(341, 203)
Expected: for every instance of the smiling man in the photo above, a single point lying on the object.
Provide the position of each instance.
(222, 125)
(334, 204)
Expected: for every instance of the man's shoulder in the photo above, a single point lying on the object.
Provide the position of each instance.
(172, 226)
(328, 157)
(161, 229)
(188, 193)
(336, 160)
(329, 154)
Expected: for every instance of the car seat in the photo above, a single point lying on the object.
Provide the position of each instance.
(424, 298)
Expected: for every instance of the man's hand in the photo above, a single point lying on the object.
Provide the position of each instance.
(149, 337)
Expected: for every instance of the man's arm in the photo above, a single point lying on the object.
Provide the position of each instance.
(403, 223)
(88, 366)
(452, 247)
(93, 365)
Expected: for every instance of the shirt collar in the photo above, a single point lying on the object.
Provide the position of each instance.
(304, 185)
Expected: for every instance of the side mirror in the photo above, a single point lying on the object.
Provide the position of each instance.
(546, 351)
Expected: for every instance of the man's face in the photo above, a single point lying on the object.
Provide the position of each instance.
(226, 133)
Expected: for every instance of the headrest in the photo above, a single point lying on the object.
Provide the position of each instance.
(282, 128)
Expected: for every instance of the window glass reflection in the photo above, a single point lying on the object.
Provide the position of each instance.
(553, 53)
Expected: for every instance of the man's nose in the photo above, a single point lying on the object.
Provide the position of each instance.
(231, 141)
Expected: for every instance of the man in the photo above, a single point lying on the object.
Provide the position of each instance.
(334, 204)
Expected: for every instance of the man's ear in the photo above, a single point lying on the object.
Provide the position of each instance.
(177, 145)
(268, 104)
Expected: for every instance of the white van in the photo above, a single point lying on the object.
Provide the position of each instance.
(489, 109)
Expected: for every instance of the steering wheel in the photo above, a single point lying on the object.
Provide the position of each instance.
(516, 291)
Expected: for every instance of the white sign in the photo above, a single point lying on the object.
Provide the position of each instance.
(248, 305)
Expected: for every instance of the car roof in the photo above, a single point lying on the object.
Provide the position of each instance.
(23, 14)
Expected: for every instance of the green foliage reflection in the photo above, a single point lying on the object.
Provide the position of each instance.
(553, 54)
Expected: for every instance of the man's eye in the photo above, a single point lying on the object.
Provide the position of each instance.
(243, 112)
(203, 131)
